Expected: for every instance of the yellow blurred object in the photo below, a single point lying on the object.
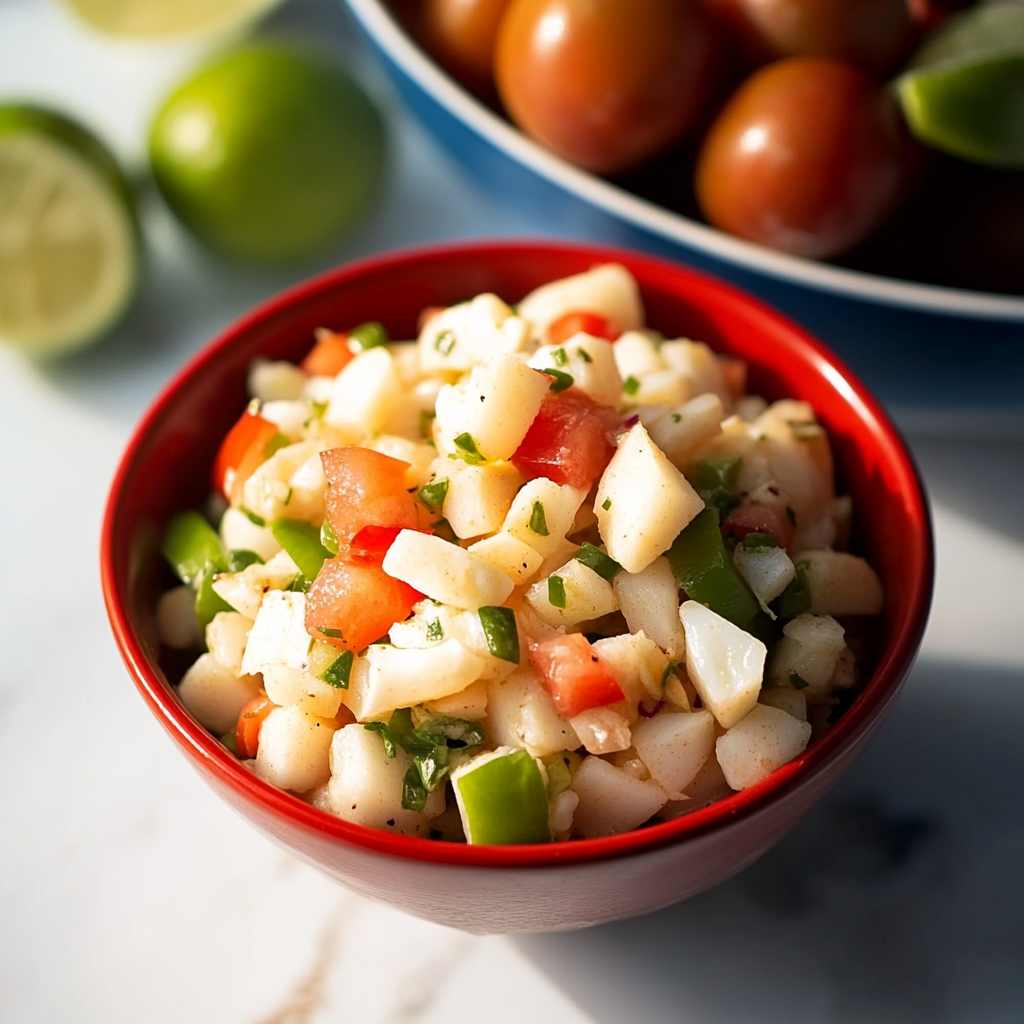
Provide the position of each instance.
(163, 19)
(69, 250)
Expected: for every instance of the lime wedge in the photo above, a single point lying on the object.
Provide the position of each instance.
(964, 93)
(164, 19)
(69, 250)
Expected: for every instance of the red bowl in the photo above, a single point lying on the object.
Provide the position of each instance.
(520, 888)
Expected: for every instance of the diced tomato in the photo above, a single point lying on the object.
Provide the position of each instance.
(366, 489)
(250, 721)
(329, 356)
(568, 441)
(760, 517)
(371, 543)
(351, 604)
(734, 372)
(581, 322)
(241, 453)
(575, 674)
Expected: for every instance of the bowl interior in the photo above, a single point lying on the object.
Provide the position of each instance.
(166, 469)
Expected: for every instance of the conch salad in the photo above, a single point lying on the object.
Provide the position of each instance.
(541, 574)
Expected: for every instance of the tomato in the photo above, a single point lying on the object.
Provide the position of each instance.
(250, 721)
(568, 440)
(808, 156)
(351, 604)
(574, 674)
(569, 324)
(607, 83)
(241, 453)
(371, 543)
(462, 35)
(734, 373)
(760, 517)
(873, 34)
(329, 356)
(366, 489)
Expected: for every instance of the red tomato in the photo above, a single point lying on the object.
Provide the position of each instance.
(366, 489)
(241, 453)
(574, 674)
(569, 324)
(352, 604)
(760, 517)
(734, 373)
(607, 83)
(568, 440)
(250, 721)
(371, 543)
(328, 357)
(462, 35)
(808, 156)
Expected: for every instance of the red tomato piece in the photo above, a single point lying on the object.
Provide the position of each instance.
(760, 517)
(351, 604)
(241, 453)
(568, 440)
(366, 489)
(328, 357)
(250, 721)
(734, 372)
(574, 674)
(580, 322)
(371, 543)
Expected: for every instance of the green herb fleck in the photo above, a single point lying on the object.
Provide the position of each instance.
(759, 542)
(556, 592)
(677, 417)
(594, 558)
(427, 417)
(467, 450)
(562, 380)
(501, 632)
(710, 474)
(797, 681)
(631, 385)
(276, 443)
(414, 793)
(371, 334)
(316, 409)
(669, 673)
(607, 504)
(796, 598)
(585, 355)
(230, 740)
(444, 343)
(538, 521)
(560, 357)
(338, 673)
(382, 730)
(433, 495)
(435, 631)
(334, 634)
(288, 497)
(251, 516)
(241, 559)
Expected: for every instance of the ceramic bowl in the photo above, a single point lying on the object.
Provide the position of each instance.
(519, 172)
(166, 468)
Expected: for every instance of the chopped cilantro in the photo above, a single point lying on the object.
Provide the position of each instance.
(414, 793)
(334, 634)
(631, 385)
(607, 504)
(538, 521)
(467, 450)
(501, 632)
(560, 357)
(382, 730)
(338, 673)
(251, 516)
(669, 673)
(433, 495)
(759, 542)
(594, 558)
(435, 631)
(562, 380)
(288, 496)
(241, 558)
(585, 355)
(556, 592)
(796, 598)
(797, 681)
(710, 474)
(677, 417)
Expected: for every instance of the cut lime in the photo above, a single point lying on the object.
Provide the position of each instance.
(268, 153)
(163, 19)
(964, 93)
(68, 243)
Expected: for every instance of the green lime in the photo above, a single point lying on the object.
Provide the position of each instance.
(964, 92)
(268, 153)
(69, 248)
(161, 19)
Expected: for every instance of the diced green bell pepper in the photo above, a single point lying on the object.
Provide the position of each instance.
(703, 568)
(712, 473)
(499, 626)
(371, 334)
(208, 601)
(190, 545)
(796, 598)
(503, 800)
(302, 542)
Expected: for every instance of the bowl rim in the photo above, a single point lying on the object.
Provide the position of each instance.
(378, 22)
(212, 756)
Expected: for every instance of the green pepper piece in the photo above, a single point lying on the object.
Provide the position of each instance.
(703, 568)
(712, 473)
(302, 542)
(503, 799)
(594, 558)
(338, 673)
(796, 598)
(328, 538)
(372, 334)
(190, 545)
(499, 625)
(208, 601)
(242, 558)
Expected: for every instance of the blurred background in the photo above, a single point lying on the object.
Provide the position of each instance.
(127, 892)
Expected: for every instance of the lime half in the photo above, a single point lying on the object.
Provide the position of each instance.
(164, 19)
(68, 243)
(964, 93)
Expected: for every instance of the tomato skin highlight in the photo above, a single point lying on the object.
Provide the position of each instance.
(371, 543)
(250, 721)
(808, 156)
(351, 604)
(366, 488)
(581, 322)
(568, 441)
(328, 357)
(462, 35)
(241, 453)
(759, 517)
(575, 675)
(607, 83)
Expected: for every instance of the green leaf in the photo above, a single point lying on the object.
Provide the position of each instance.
(339, 672)
(241, 558)
(594, 558)
(759, 542)
(538, 521)
(560, 357)
(797, 681)
(371, 334)
(710, 474)
(501, 632)
(435, 631)
(334, 634)
(382, 730)
(252, 517)
(796, 598)
(556, 592)
(433, 495)
(669, 673)
(631, 385)
(467, 450)
(585, 355)
(191, 545)
(414, 793)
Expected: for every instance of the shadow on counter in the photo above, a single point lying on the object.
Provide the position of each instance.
(900, 900)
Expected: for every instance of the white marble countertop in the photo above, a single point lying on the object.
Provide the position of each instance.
(128, 892)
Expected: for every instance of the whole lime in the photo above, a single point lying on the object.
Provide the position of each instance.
(268, 153)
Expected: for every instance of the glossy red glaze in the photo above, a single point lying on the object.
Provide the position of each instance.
(520, 888)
